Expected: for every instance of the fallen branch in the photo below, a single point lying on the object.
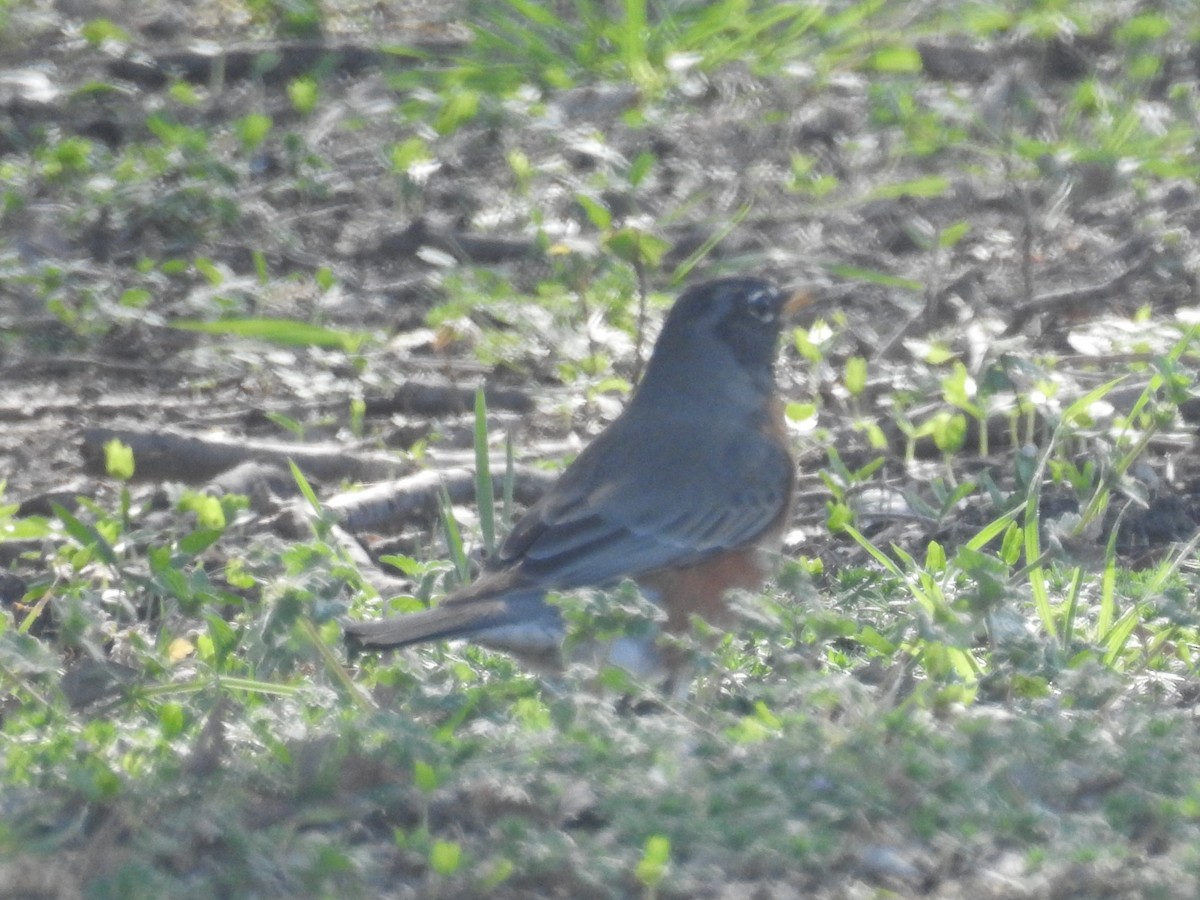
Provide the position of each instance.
(463, 247)
(392, 505)
(433, 398)
(273, 62)
(169, 456)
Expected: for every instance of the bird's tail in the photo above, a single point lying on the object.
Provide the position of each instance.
(520, 622)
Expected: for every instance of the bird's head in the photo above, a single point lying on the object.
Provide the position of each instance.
(736, 319)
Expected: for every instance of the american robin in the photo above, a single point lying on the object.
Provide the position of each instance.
(683, 492)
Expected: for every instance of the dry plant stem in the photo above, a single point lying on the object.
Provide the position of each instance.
(933, 284)
(1025, 208)
(1026, 245)
(585, 308)
(906, 327)
(1055, 301)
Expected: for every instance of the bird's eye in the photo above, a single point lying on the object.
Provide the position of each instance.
(761, 304)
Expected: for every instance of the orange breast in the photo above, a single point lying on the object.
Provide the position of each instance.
(700, 590)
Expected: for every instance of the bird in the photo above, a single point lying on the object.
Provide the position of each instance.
(687, 493)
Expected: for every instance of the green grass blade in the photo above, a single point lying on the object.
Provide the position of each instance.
(684, 268)
(1108, 580)
(1169, 567)
(1114, 642)
(288, 332)
(534, 13)
(1073, 592)
(871, 276)
(631, 37)
(880, 557)
(912, 582)
(484, 496)
(454, 541)
(994, 528)
(305, 488)
(1033, 557)
(334, 666)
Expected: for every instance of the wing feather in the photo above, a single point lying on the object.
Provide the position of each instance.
(613, 514)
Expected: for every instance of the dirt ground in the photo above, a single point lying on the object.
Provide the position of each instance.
(1053, 264)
